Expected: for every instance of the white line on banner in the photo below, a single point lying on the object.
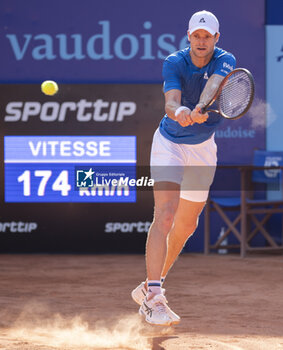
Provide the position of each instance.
(69, 161)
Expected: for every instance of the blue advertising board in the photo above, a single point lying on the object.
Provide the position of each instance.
(47, 168)
(117, 41)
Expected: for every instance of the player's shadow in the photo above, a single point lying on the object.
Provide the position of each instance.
(157, 341)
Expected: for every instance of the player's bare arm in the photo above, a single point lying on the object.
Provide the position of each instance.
(174, 110)
(208, 93)
(210, 89)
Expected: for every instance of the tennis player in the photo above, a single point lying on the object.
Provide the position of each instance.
(183, 157)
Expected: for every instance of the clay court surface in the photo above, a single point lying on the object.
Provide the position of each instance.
(83, 302)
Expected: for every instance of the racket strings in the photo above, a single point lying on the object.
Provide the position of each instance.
(236, 94)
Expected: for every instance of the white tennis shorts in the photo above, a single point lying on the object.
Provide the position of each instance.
(191, 166)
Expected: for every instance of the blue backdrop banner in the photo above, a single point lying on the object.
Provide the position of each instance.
(116, 41)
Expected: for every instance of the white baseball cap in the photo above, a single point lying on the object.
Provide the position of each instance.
(204, 20)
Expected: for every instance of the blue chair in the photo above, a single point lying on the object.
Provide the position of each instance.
(258, 198)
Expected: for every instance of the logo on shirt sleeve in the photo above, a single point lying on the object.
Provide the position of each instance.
(227, 66)
(279, 58)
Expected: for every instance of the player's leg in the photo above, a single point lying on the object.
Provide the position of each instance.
(184, 226)
(154, 306)
(166, 199)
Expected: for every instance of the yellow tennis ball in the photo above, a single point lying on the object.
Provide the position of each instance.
(49, 87)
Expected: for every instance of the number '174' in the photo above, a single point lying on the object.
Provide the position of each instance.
(60, 184)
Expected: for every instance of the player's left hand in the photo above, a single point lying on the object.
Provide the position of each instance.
(197, 116)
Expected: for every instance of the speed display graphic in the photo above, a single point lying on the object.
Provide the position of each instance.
(68, 168)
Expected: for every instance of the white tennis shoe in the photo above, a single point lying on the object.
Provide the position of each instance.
(138, 295)
(156, 311)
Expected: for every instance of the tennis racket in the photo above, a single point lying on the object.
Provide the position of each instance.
(234, 95)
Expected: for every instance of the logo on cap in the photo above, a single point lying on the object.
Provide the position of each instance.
(204, 20)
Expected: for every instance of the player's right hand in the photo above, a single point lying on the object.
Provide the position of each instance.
(183, 117)
(197, 116)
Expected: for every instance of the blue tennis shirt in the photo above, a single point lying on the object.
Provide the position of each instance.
(180, 73)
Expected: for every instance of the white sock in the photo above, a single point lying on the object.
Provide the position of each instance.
(162, 280)
(154, 287)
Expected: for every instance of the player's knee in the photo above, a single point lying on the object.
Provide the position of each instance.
(164, 219)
